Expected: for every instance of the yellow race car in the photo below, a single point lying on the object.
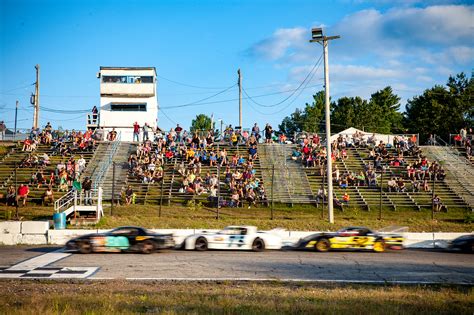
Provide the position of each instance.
(352, 238)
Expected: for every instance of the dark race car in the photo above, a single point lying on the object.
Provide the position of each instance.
(354, 238)
(122, 239)
(463, 243)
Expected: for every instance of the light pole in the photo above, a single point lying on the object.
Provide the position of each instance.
(220, 134)
(317, 36)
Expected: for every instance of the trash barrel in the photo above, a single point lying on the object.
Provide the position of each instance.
(59, 220)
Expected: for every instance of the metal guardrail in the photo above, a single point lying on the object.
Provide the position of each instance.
(105, 164)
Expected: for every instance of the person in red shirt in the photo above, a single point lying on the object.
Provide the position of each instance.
(136, 131)
(23, 192)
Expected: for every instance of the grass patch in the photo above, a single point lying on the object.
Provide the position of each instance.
(121, 297)
(305, 218)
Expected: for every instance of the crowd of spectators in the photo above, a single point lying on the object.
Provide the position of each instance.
(390, 158)
(197, 158)
(63, 176)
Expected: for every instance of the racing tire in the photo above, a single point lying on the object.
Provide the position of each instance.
(258, 245)
(379, 246)
(201, 244)
(147, 247)
(85, 247)
(322, 245)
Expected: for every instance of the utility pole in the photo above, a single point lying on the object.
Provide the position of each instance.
(37, 87)
(317, 36)
(16, 119)
(240, 98)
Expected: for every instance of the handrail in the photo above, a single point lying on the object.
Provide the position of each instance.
(105, 164)
(64, 201)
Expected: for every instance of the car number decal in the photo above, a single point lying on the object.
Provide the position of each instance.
(119, 242)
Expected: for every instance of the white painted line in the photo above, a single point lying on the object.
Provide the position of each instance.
(40, 261)
(11, 275)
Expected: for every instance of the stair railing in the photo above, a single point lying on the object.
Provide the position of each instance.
(99, 175)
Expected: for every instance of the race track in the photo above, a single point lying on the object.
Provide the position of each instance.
(407, 266)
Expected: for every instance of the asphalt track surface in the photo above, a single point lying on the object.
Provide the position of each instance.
(407, 266)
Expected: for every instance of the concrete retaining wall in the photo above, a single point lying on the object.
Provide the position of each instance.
(38, 233)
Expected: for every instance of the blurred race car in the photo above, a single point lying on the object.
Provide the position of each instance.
(355, 238)
(463, 243)
(122, 239)
(234, 237)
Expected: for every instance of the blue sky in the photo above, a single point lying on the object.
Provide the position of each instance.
(408, 44)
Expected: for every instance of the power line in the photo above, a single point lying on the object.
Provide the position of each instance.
(317, 64)
(236, 99)
(189, 85)
(17, 88)
(168, 117)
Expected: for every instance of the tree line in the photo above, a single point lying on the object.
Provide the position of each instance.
(440, 110)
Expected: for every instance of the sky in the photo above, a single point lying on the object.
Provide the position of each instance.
(198, 46)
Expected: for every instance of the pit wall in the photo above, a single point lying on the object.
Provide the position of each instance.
(39, 233)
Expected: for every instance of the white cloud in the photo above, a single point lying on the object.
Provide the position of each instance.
(391, 34)
(280, 43)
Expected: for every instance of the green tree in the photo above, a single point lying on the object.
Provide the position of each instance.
(441, 110)
(201, 122)
(386, 106)
(380, 114)
(309, 119)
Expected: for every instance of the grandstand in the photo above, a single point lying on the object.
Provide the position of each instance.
(285, 180)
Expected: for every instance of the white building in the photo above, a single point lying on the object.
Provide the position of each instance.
(127, 95)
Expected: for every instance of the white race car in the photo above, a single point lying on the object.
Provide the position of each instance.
(234, 237)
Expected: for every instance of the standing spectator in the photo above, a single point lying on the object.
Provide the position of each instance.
(463, 133)
(112, 135)
(256, 131)
(23, 192)
(3, 128)
(87, 187)
(95, 113)
(178, 130)
(145, 128)
(136, 132)
(128, 195)
(268, 133)
(320, 197)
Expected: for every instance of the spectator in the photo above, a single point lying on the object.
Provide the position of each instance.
(345, 199)
(48, 196)
(87, 189)
(112, 135)
(145, 128)
(95, 114)
(392, 185)
(3, 129)
(11, 196)
(178, 131)
(136, 131)
(23, 192)
(128, 195)
(256, 131)
(268, 133)
(321, 196)
(436, 203)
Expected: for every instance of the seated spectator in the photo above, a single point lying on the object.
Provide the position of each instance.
(48, 196)
(11, 196)
(436, 203)
(128, 195)
(23, 192)
(345, 199)
(392, 185)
